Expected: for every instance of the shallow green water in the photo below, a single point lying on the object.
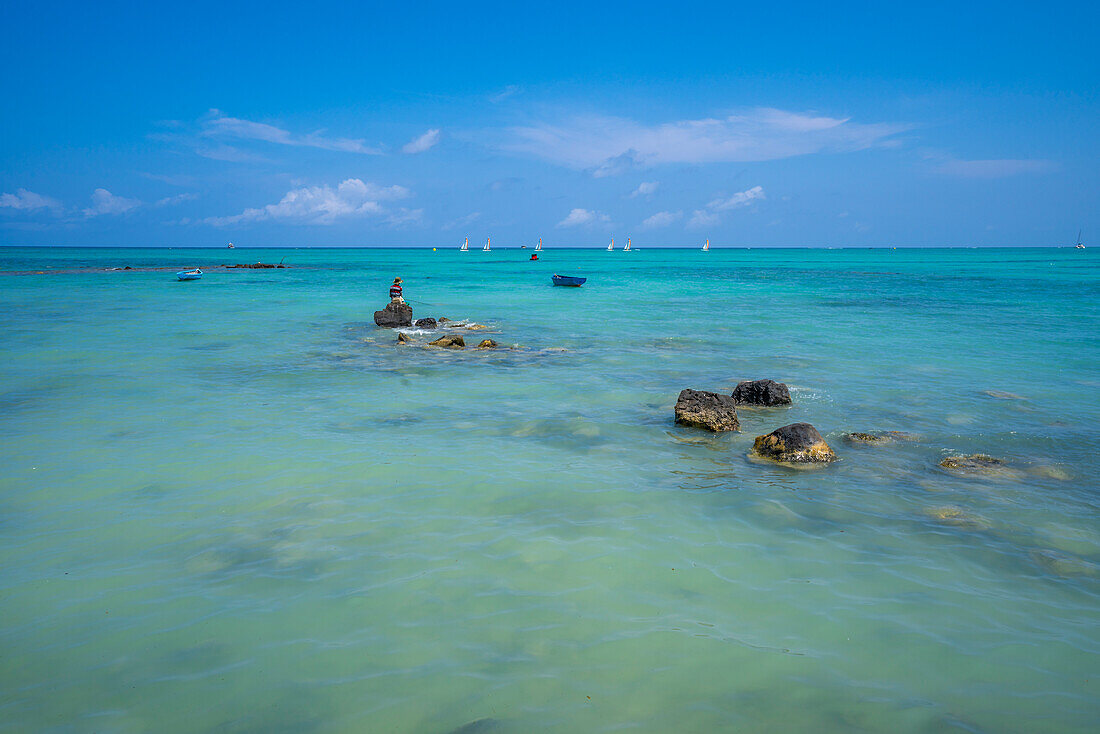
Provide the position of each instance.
(234, 505)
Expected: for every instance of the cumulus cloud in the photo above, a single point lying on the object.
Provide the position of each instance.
(104, 202)
(646, 188)
(997, 168)
(701, 219)
(28, 201)
(583, 218)
(218, 125)
(423, 143)
(661, 219)
(321, 204)
(610, 145)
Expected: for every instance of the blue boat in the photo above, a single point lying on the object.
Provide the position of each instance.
(568, 280)
(189, 274)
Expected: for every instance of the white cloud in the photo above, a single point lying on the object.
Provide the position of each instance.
(701, 219)
(994, 168)
(463, 221)
(404, 217)
(742, 198)
(712, 213)
(325, 205)
(423, 143)
(23, 200)
(611, 144)
(625, 162)
(104, 202)
(217, 125)
(173, 200)
(661, 219)
(505, 93)
(583, 218)
(646, 188)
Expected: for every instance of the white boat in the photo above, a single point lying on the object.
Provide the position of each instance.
(627, 248)
(538, 247)
(611, 246)
(230, 246)
(486, 248)
(1079, 246)
(706, 247)
(465, 245)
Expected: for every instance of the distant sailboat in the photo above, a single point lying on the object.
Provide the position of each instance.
(611, 246)
(1079, 246)
(465, 245)
(706, 247)
(486, 248)
(230, 246)
(627, 248)
(538, 247)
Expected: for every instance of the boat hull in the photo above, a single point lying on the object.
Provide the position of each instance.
(189, 275)
(568, 280)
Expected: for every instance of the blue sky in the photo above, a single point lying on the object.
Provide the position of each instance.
(275, 124)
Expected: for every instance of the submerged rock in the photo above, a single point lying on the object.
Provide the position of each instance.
(957, 517)
(452, 341)
(973, 463)
(394, 314)
(798, 443)
(426, 323)
(707, 410)
(761, 392)
(403, 338)
(877, 438)
(487, 344)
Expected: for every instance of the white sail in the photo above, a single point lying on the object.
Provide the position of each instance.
(538, 247)
(486, 248)
(465, 244)
(627, 248)
(611, 246)
(706, 247)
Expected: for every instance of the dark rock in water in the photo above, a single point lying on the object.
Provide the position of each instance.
(878, 438)
(443, 319)
(428, 323)
(453, 341)
(256, 266)
(487, 344)
(972, 463)
(127, 268)
(394, 314)
(403, 338)
(708, 410)
(761, 392)
(798, 443)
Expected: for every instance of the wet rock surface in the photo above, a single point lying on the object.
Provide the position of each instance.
(487, 344)
(876, 438)
(425, 323)
(451, 341)
(403, 338)
(761, 392)
(393, 315)
(973, 464)
(707, 410)
(798, 443)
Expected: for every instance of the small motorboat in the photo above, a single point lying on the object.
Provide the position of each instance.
(189, 274)
(570, 280)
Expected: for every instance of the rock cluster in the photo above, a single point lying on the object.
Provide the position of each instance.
(708, 410)
(972, 463)
(394, 314)
(761, 392)
(798, 443)
(256, 265)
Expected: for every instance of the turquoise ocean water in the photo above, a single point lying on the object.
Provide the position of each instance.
(235, 505)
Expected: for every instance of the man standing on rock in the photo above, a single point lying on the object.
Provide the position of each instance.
(395, 291)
